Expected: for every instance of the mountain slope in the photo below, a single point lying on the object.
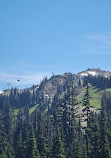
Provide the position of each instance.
(58, 85)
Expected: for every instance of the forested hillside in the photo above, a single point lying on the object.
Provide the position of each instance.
(66, 116)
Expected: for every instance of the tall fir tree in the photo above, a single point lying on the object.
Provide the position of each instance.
(3, 140)
(86, 111)
(57, 150)
(9, 128)
(105, 146)
(32, 150)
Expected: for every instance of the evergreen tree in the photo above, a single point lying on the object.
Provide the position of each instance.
(8, 120)
(87, 112)
(79, 83)
(3, 140)
(32, 151)
(93, 133)
(57, 150)
(33, 97)
(86, 103)
(40, 134)
(105, 147)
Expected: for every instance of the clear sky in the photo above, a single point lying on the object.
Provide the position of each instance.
(38, 37)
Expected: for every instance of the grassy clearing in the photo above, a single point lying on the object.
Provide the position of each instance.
(95, 100)
(32, 109)
(95, 94)
(16, 111)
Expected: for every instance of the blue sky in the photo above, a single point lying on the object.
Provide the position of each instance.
(39, 37)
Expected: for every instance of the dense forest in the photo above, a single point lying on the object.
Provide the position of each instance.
(55, 128)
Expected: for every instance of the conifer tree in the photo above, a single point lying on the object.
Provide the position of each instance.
(105, 147)
(86, 103)
(33, 97)
(19, 146)
(93, 133)
(87, 113)
(79, 83)
(57, 150)
(41, 136)
(3, 140)
(8, 120)
(32, 150)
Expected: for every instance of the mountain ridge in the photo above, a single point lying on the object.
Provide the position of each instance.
(95, 72)
(55, 81)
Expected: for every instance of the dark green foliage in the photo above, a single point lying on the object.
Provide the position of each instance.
(93, 136)
(87, 113)
(105, 146)
(6, 133)
(57, 150)
(3, 140)
(86, 103)
(3, 101)
(32, 151)
(17, 99)
(9, 128)
(33, 97)
(54, 129)
(100, 81)
(79, 83)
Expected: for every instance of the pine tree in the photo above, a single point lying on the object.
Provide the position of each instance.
(57, 150)
(3, 140)
(105, 147)
(19, 146)
(79, 83)
(41, 136)
(32, 150)
(8, 120)
(93, 133)
(33, 97)
(87, 112)
(86, 103)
